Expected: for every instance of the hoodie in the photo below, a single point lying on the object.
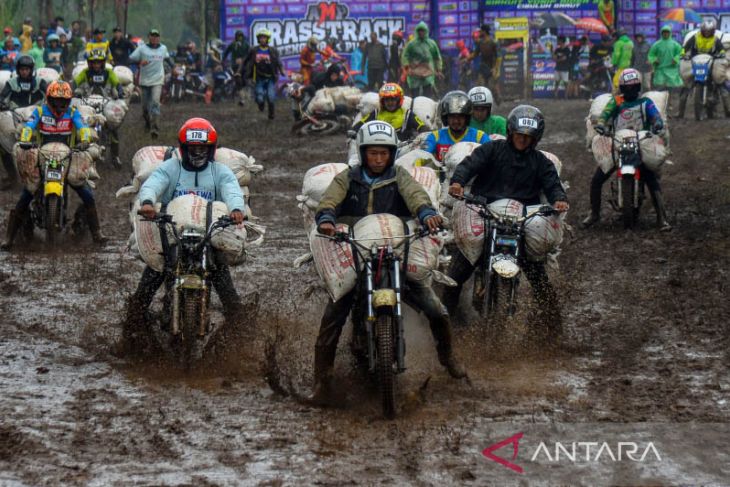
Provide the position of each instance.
(423, 59)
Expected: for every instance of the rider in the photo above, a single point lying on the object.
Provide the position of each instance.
(197, 173)
(98, 79)
(634, 112)
(456, 110)
(23, 90)
(307, 58)
(376, 186)
(404, 120)
(704, 42)
(481, 117)
(56, 121)
(329, 55)
(514, 169)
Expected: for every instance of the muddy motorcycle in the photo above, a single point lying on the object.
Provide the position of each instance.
(188, 266)
(497, 277)
(380, 290)
(704, 88)
(320, 123)
(627, 188)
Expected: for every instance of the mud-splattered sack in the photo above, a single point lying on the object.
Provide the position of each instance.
(49, 75)
(468, 227)
(114, 112)
(381, 229)
(7, 131)
(322, 102)
(597, 106)
(543, 234)
(146, 239)
(334, 263)
(145, 161)
(423, 255)
(457, 153)
(429, 180)
(26, 161)
(242, 165)
(660, 99)
(316, 182)
(5, 75)
(417, 157)
(601, 148)
(124, 74)
(654, 152)
(368, 102)
(426, 109)
(80, 168)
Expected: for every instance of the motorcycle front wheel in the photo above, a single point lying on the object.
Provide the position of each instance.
(698, 100)
(384, 363)
(629, 214)
(53, 219)
(190, 316)
(499, 301)
(325, 127)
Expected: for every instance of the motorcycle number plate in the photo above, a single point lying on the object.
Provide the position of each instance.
(700, 71)
(53, 176)
(628, 170)
(506, 242)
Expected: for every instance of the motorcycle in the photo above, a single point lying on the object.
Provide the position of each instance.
(627, 189)
(498, 276)
(704, 89)
(224, 84)
(316, 123)
(188, 264)
(380, 262)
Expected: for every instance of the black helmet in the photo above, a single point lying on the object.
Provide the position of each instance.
(455, 103)
(24, 62)
(528, 120)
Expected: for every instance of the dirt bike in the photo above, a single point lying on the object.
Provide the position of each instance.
(627, 189)
(704, 88)
(224, 84)
(380, 289)
(319, 123)
(188, 265)
(498, 276)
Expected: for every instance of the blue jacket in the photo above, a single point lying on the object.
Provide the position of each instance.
(439, 141)
(216, 182)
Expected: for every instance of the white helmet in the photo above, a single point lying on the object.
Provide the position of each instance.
(480, 96)
(377, 133)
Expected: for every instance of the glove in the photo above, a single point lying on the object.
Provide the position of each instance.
(658, 127)
(237, 217)
(600, 129)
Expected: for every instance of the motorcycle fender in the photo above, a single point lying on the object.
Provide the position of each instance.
(53, 187)
(383, 297)
(190, 281)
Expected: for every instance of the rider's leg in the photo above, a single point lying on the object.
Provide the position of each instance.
(545, 297)
(92, 217)
(154, 108)
(16, 218)
(271, 96)
(655, 191)
(683, 95)
(460, 270)
(260, 92)
(9, 165)
(599, 178)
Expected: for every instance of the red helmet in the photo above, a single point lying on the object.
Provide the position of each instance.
(197, 132)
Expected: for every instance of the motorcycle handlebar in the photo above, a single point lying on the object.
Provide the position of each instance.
(481, 201)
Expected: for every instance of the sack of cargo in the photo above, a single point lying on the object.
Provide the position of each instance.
(340, 94)
(685, 71)
(322, 102)
(416, 144)
(660, 99)
(423, 255)
(601, 148)
(128, 91)
(80, 168)
(493, 137)
(145, 161)
(381, 229)
(5, 75)
(543, 234)
(49, 75)
(26, 161)
(114, 113)
(146, 239)
(242, 165)
(368, 102)
(316, 182)
(456, 154)
(7, 131)
(590, 133)
(597, 106)
(429, 180)
(468, 227)
(654, 152)
(124, 74)
(554, 159)
(334, 263)
(719, 71)
(426, 109)
(417, 157)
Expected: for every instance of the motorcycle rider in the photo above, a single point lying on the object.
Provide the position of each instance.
(98, 79)
(23, 90)
(307, 58)
(197, 173)
(56, 121)
(514, 169)
(263, 66)
(705, 42)
(376, 186)
(405, 121)
(456, 111)
(481, 115)
(636, 113)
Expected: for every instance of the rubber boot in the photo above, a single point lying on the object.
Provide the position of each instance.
(223, 284)
(324, 360)
(154, 127)
(683, 95)
(11, 180)
(92, 218)
(15, 221)
(146, 117)
(271, 109)
(549, 322)
(79, 221)
(661, 211)
(441, 331)
(725, 97)
(260, 105)
(595, 196)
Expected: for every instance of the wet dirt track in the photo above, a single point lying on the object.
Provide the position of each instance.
(646, 341)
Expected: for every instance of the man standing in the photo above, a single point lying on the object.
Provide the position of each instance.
(77, 41)
(99, 42)
(151, 58)
(623, 50)
(263, 66)
(640, 60)
(422, 59)
(120, 47)
(563, 65)
(396, 50)
(377, 62)
(664, 57)
(488, 54)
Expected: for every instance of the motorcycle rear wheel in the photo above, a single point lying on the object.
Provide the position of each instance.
(384, 364)
(629, 214)
(53, 219)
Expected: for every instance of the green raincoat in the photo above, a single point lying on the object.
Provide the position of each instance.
(423, 59)
(623, 49)
(664, 58)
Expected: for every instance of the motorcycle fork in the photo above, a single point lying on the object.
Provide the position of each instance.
(204, 295)
(488, 288)
(400, 341)
(371, 314)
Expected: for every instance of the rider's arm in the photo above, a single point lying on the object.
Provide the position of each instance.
(26, 135)
(429, 145)
(329, 205)
(231, 193)
(136, 55)
(367, 118)
(157, 184)
(82, 130)
(549, 179)
(474, 163)
(608, 113)
(416, 198)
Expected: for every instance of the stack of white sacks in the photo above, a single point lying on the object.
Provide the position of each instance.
(189, 211)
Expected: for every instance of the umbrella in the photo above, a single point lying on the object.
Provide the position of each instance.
(685, 15)
(549, 20)
(592, 25)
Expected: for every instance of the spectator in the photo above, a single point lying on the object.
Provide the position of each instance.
(99, 42)
(376, 59)
(44, 32)
(606, 13)
(151, 58)
(640, 60)
(65, 58)
(78, 43)
(358, 68)
(329, 54)
(263, 66)
(120, 47)
(195, 59)
(664, 59)
(563, 65)
(8, 55)
(307, 58)
(396, 51)
(422, 59)
(53, 53)
(488, 54)
(36, 52)
(60, 29)
(464, 63)
(623, 50)
(26, 38)
(238, 49)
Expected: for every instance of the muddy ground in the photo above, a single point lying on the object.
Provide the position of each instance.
(645, 344)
